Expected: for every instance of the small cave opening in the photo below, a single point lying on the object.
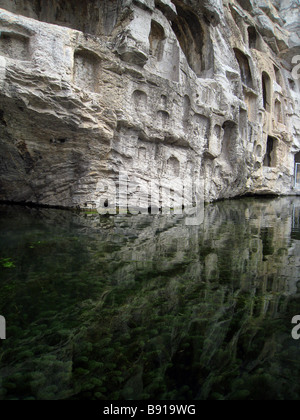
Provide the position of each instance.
(244, 66)
(239, 21)
(156, 40)
(270, 160)
(267, 238)
(253, 37)
(60, 140)
(266, 88)
(297, 169)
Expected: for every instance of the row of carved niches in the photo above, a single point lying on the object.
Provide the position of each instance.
(93, 17)
(101, 17)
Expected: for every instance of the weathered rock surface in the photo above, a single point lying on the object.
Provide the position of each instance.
(199, 97)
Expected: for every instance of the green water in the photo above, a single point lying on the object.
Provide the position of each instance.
(145, 307)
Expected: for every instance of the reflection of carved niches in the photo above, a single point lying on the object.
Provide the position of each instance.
(140, 100)
(14, 46)
(86, 70)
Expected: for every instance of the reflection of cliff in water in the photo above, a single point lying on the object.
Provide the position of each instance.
(146, 307)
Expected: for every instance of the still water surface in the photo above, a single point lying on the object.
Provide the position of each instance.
(146, 307)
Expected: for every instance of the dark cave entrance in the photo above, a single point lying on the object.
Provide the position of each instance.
(270, 156)
(244, 66)
(266, 87)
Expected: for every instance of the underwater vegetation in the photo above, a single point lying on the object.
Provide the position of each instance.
(145, 307)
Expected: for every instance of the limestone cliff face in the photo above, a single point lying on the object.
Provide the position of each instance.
(196, 94)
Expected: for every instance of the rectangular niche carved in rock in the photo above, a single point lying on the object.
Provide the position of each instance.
(14, 46)
(229, 140)
(215, 143)
(201, 126)
(270, 159)
(278, 75)
(244, 66)
(156, 40)
(86, 70)
(193, 38)
(266, 88)
(251, 101)
(252, 35)
(278, 111)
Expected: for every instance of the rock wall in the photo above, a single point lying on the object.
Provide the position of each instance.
(199, 99)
